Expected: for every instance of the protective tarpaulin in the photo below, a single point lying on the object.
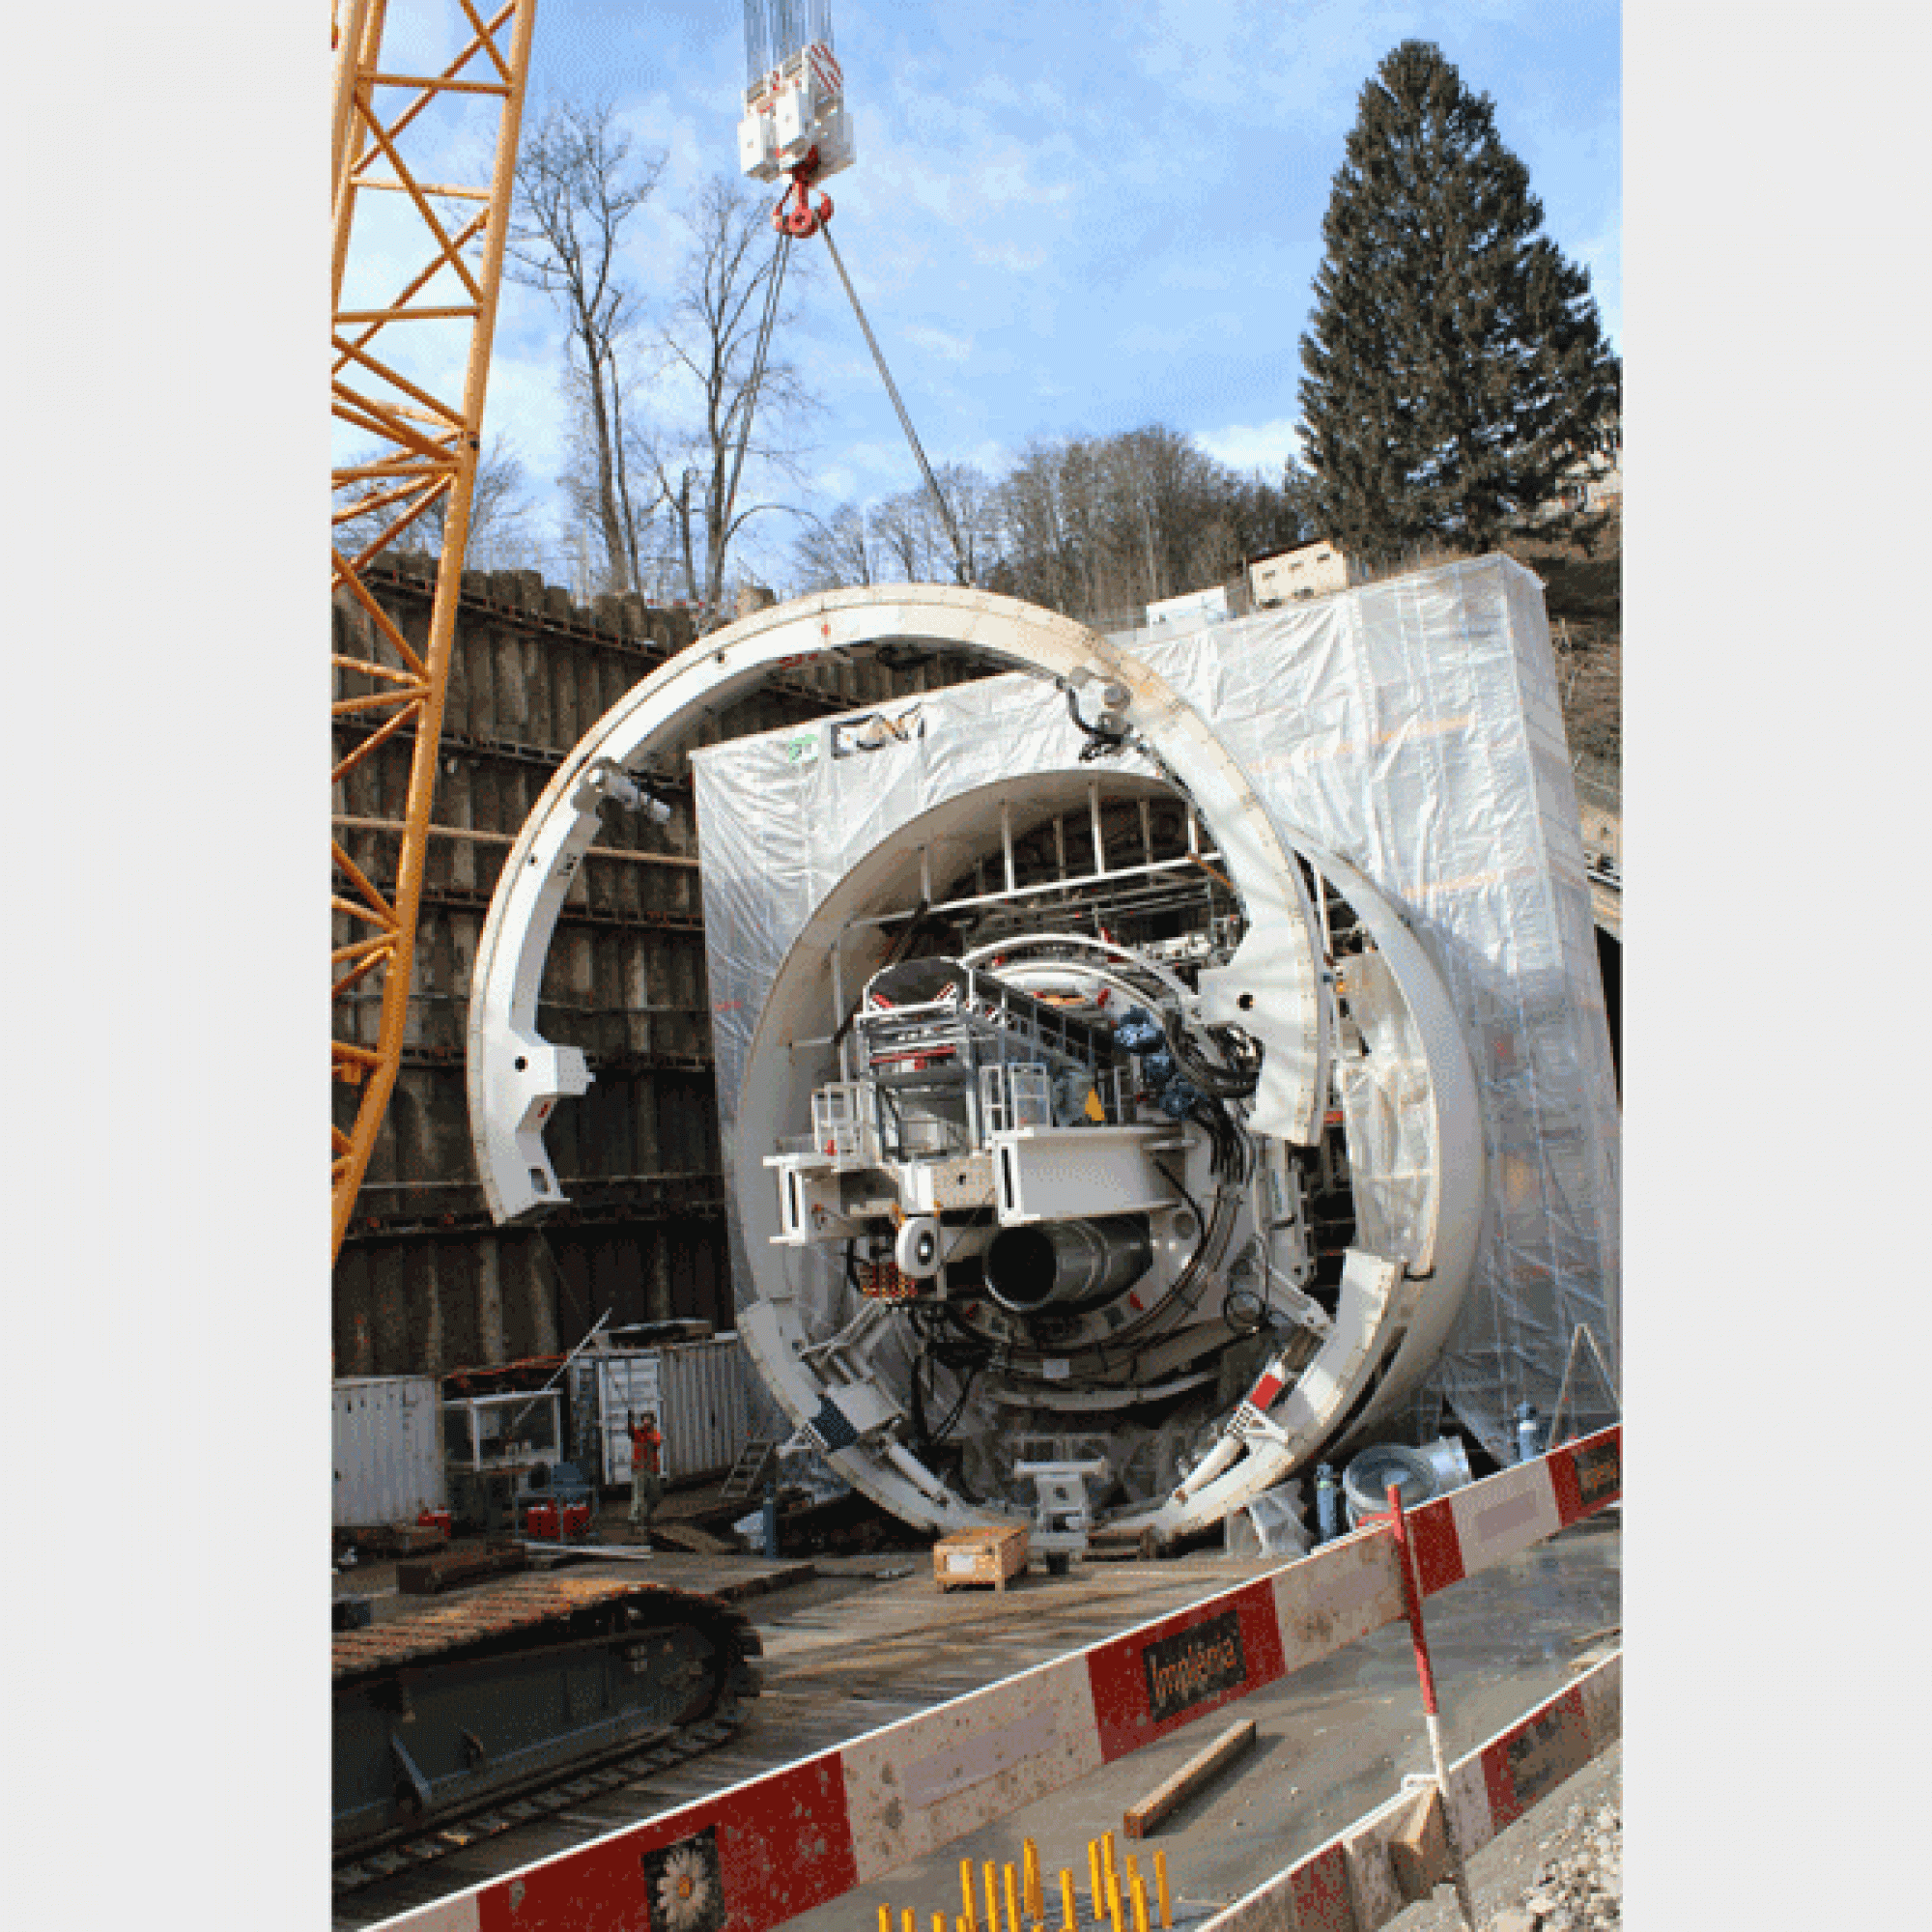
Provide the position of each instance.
(1411, 726)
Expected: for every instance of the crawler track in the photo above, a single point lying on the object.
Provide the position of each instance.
(691, 1651)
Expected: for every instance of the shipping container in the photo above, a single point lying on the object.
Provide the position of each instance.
(695, 1389)
(388, 1463)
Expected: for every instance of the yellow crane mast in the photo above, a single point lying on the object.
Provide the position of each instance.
(408, 399)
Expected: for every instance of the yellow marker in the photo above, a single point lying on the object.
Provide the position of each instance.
(1110, 1869)
(1012, 1902)
(992, 1898)
(909, 1920)
(1068, 1920)
(885, 1919)
(1134, 1871)
(1113, 1900)
(1140, 1904)
(1160, 1891)
(972, 1919)
(939, 1922)
(1094, 1875)
(1035, 1905)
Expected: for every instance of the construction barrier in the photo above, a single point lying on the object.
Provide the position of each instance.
(748, 1857)
(1356, 1881)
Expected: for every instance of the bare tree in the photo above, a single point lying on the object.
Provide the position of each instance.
(976, 513)
(904, 529)
(1096, 526)
(499, 510)
(713, 339)
(577, 188)
(835, 553)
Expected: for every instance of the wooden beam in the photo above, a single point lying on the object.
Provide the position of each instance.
(1198, 1770)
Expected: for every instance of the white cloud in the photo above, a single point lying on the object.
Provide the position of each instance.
(1246, 447)
(939, 342)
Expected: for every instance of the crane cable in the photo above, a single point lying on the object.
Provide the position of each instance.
(766, 326)
(905, 421)
(758, 376)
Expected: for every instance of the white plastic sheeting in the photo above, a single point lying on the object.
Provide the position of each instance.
(1411, 728)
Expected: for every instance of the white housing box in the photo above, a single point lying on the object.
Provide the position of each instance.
(758, 150)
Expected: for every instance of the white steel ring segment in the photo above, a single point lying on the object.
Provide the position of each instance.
(515, 1077)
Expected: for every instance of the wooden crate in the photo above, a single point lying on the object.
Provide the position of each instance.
(971, 1557)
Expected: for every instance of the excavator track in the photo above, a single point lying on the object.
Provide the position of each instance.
(483, 1713)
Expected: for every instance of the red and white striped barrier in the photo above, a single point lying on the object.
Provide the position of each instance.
(748, 1857)
(1350, 1885)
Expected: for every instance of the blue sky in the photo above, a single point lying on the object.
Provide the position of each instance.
(1062, 219)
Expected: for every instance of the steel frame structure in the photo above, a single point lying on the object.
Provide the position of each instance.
(417, 439)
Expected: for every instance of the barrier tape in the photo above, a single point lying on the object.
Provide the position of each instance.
(1350, 1883)
(748, 1857)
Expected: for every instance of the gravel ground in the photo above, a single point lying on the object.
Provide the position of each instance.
(1559, 1869)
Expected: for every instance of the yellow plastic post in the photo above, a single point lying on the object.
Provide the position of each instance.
(1110, 1866)
(1134, 1871)
(992, 1898)
(885, 1919)
(972, 1919)
(1093, 1876)
(909, 1920)
(1069, 1922)
(1035, 1905)
(1140, 1904)
(1012, 1902)
(1160, 1891)
(939, 1922)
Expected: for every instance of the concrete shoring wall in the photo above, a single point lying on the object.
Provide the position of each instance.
(424, 1284)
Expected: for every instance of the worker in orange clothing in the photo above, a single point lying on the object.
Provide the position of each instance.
(646, 1470)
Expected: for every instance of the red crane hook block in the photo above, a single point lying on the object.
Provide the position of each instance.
(802, 219)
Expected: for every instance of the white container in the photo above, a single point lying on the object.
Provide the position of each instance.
(388, 1463)
(695, 1390)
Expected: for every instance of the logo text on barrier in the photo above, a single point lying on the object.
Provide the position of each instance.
(1194, 1665)
(1600, 1473)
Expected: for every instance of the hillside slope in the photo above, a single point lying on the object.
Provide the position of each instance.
(1583, 580)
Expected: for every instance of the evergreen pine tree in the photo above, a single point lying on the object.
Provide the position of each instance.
(1455, 364)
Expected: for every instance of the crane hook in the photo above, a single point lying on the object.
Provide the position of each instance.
(802, 219)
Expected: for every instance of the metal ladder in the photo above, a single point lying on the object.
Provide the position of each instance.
(747, 1471)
